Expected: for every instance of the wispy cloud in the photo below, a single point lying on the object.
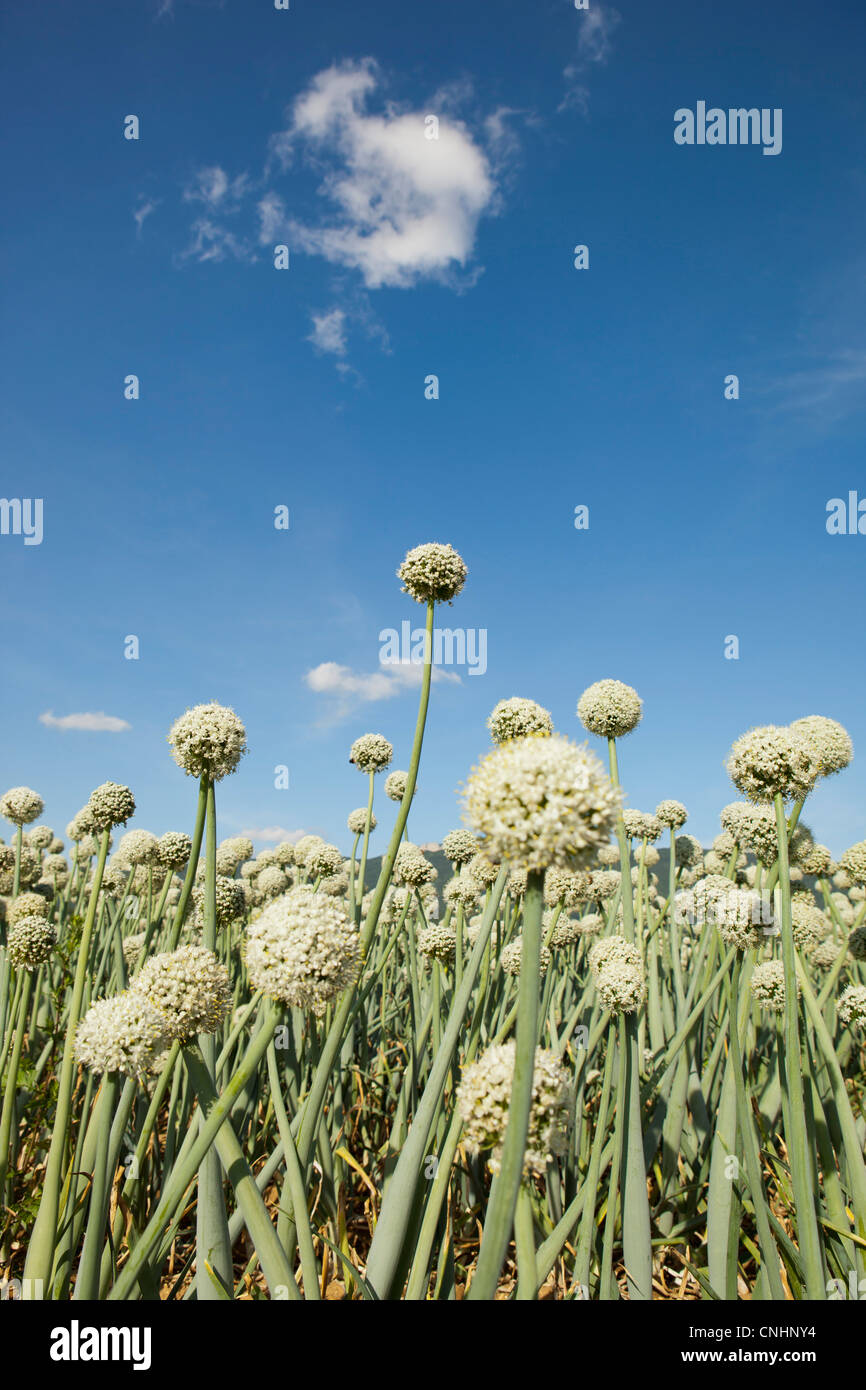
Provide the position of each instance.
(329, 332)
(832, 388)
(145, 207)
(98, 722)
(594, 45)
(213, 187)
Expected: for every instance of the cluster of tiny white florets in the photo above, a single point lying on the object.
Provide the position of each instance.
(610, 709)
(110, 804)
(767, 983)
(484, 1102)
(816, 860)
(857, 943)
(742, 916)
(271, 881)
(432, 573)
(208, 741)
(323, 860)
(125, 1033)
(132, 947)
(461, 890)
(851, 1005)
(55, 866)
(410, 866)
(810, 926)
(687, 851)
(608, 854)
(516, 882)
(825, 954)
(27, 905)
(853, 862)
(569, 930)
(371, 753)
(772, 760)
(617, 970)
(230, 900)
(566, 887)
(603, 884)
(191, 989)
(460, 846)
(40, 837)
(238, 848)
(21, 805)
(81, 824)
(828, 741)
(640, 825)
(303, 949)
(137, 847)
(303, 847)
(539, 802)
(437, 942)
(512, 956)
(357, 821)
(173, 849)
(395, 785)
(515, 718)
(482, 870)
(672, 813)
(30, 940)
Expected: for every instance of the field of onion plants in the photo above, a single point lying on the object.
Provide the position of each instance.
(599, 1061)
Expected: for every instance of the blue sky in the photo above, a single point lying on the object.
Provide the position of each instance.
(306, 387)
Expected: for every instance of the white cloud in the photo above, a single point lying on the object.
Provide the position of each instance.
(212, 242)
(329, 332)
(349, 688)
(272, 217)
(273, 834)
(213, 187)
(91, 722)
(594, 44)
(145, 207)
(407, 207)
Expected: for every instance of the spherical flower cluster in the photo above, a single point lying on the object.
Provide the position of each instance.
(437, 942)
(767, 984)
(125, 1033)
(39, 837)
(208, 741)
(190, 988)
(739, 914)
(825, 954)
(609, 708)
(230, 900)
(110, 804)
(461, 890)
(20, 805)
(357, 821)
(271, 881)
(132, 947)
(395, 785)
(30, 941)
(641, 826)
(828, 741)
(853, 862)
(410, 866)
(81, 824)
(137, 847)
(173, 849)
(482, 870)
(816, 860)
(515, 718)
(86, 847)
(617, 970)
(484, 1102)
(672, 814)
(27, 905)
(604, 884)
(371, 753)
(687, 851)
(336, 886)
(284, 853)
(303, 949)
(266, 857)
(239, 847)
(608, 854)
(323, 860)
(512, 955)
(857, 943)
(563, 886)
(460, 846)
(540, 802)
(772, 760)
(810, 926)
(800, 842)
(55, 866)
(569, 930)
(432, 573)
(851, 1005)
(516, 883)
(114, 881)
